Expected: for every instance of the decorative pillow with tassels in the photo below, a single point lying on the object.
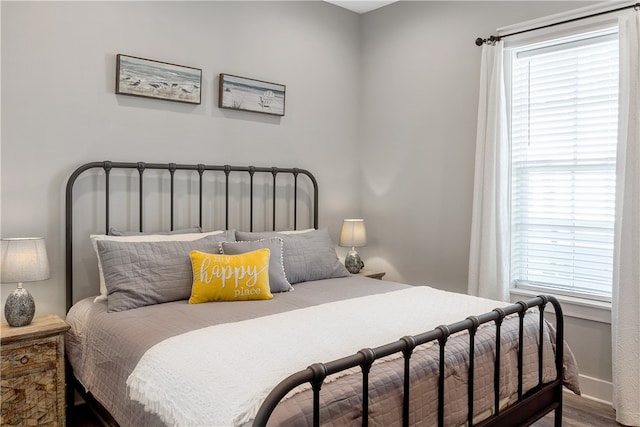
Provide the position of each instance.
(219, 277)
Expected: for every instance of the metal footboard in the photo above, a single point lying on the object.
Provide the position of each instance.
(529, 406)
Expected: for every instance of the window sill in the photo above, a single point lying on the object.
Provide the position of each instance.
(580, 308)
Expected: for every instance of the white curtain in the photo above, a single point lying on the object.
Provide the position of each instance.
(625, 310)
(488, 257)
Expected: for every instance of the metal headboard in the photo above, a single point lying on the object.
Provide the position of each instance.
(141, 167)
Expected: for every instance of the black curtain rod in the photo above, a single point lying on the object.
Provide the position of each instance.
(492, 39)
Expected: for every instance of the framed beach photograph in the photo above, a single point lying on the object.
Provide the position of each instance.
(240, 93)
(155, 79)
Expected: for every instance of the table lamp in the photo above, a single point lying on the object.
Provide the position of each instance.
(22, 260)
(353, 235)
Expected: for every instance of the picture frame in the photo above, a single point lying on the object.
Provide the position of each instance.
(242, 93)
(160, 80)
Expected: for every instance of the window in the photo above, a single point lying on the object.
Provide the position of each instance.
(563, 132)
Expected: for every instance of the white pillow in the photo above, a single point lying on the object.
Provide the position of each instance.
(306, 230)
(143, 238)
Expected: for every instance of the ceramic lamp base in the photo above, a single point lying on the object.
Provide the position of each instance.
(353, 262)
(19, 308)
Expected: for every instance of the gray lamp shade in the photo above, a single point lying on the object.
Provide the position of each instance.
(353, 233)
(22, 260)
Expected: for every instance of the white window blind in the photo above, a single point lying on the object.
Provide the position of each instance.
(564, 106)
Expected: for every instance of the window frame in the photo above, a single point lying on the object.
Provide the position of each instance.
(575, 304)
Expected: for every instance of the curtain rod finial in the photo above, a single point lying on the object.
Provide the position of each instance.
(479, 41)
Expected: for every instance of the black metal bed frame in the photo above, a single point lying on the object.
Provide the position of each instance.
(528, 408)
(141, 167)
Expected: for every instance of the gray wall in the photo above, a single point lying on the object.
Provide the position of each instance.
(59, 109)
(420, 75)
(381, 107)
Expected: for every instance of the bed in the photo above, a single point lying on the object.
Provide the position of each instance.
(317, 346)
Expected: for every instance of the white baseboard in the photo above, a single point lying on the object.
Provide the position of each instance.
(596, 389)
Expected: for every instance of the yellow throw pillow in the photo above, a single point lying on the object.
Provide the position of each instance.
(218, 277)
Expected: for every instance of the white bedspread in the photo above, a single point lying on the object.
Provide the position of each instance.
(219, 375)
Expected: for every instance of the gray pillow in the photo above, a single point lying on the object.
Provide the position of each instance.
(307, 256)
(145, 273)
(116, 232)
(277, 278)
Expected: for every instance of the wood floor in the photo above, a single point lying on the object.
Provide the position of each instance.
(582, 412)
(577, 412)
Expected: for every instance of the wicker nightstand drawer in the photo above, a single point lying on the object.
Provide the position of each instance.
(40, 356)
(33, 383)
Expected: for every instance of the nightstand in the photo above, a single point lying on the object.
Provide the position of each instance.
(33, 373)
(372, 274)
